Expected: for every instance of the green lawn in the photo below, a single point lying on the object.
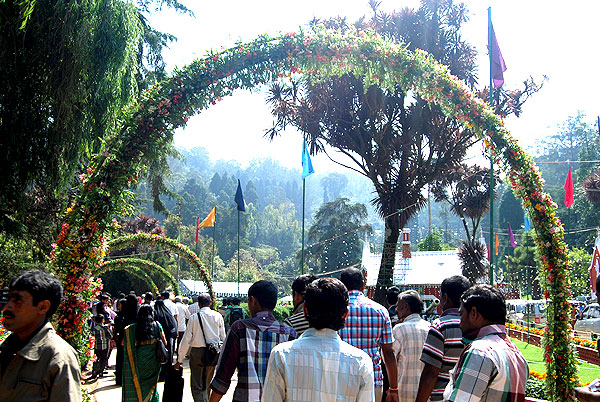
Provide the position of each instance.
(535, 360)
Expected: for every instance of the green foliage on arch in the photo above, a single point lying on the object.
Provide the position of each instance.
(137, 268)
(135, 265)
(148, 124)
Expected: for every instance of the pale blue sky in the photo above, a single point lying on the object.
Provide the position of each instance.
(553, 38)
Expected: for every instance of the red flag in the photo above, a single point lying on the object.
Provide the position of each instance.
(497, 243)
(197, 228)
(569, 190)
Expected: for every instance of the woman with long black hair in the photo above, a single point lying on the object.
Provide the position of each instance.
(126, 315)
(140, 367)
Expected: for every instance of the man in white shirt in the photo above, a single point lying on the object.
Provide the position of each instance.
(409, 337)
(183, 316)
(194, 343)
(319, 366)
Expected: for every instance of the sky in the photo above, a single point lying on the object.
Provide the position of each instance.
(537, 38)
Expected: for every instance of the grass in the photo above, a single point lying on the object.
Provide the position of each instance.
(535, 359)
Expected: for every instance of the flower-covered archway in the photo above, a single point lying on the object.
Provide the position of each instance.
(139, 269)
(148, 125)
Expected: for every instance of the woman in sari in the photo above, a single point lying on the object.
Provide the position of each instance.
(140, 366)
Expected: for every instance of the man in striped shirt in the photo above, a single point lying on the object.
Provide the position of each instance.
(297, 319)
(444, 342)
(491, 367)
(409, 336)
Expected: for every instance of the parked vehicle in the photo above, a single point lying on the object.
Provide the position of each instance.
(526, 312)
(589, 320)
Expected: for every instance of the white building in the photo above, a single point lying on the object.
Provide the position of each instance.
(221, 289)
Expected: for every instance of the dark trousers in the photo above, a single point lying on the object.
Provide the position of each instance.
(179, 337)
(200, 376)
(101, 360)
(119, 364)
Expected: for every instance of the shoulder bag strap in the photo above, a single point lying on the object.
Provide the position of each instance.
(202, 328)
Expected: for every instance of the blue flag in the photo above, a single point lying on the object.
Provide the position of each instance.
(527, 223)
(239, 198)
(307, 168)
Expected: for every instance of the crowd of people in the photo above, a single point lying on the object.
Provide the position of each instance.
(336, 345)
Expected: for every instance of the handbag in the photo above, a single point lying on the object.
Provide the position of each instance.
(161, 351)
(212, 350)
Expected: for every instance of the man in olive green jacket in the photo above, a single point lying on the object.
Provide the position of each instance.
(35, 363)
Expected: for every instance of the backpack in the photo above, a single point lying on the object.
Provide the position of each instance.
(237, 313)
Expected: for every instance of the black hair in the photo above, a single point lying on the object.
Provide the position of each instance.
(598, 282)
(99, 319)
(300, 283)
(204, 300)
(236, 301)
(130, 309)
(488, 300)
(122, 301)
(391, 295)
(454, 287)
(165, 294)
(265, 292)
(144, 327)
(42, 286)
(352, 278)
(326, 301)
(148, 296)
(413, 300)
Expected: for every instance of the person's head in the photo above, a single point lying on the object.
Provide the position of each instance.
(121, 304)
(148, 297)
(177, 299)
(145, 319)
(204, 300)
(299, 287)
(409, 302)
(194, 299)
(391, 295)
(481, 305)
(452, 289)
(326, 304)
(131, 307)
(262, 296)
(165, 295)
(236, 301)
(33, 297)
(186, 300)
(105, 299)
(353, 279)
(99, 319)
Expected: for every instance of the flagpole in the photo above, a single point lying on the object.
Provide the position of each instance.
(490, 51)
(568, 219)
(196, 270)
(212, 254)
(238, 274)
(303, 201)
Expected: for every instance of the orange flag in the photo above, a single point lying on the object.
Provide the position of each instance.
(497, 243)
(209, 221)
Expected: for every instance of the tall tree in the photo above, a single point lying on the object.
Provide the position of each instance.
(467, 190)
(399, 142)
(334, 237)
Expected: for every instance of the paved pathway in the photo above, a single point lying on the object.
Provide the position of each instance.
(105, 390)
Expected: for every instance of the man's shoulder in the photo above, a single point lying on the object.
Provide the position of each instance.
(51, 344)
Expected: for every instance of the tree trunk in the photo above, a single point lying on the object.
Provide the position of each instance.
(388, 259)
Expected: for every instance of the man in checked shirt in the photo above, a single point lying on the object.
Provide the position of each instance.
(444, 343)
(368, 327)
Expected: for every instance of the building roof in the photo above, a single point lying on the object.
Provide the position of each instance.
(423, 268)
(221, 289)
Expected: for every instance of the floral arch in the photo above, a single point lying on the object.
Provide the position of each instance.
(148, 124)
(137, 268)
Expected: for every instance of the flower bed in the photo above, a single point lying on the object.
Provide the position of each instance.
(582, 346)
